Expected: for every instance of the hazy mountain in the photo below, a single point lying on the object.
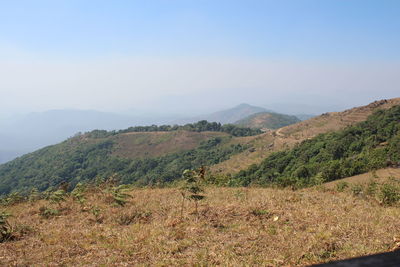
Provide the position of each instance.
(159, 155)
(304, 117)
(268, 120)
(225, 116)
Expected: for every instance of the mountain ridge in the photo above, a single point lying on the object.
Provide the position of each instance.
(267, 120)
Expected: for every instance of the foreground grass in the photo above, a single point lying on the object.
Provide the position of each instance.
(234, 227)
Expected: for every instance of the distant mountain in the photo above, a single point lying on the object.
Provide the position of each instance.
(304, 117)
(226, 116)
(267, 120)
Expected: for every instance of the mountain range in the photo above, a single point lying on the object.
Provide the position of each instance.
(23, 134)
(158, 155)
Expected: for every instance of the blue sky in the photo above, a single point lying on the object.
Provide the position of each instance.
(63, 38)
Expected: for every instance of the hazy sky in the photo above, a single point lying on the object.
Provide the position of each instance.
(197, 55)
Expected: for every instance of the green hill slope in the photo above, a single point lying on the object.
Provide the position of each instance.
(372, 144)
(140, 155)
(267, 120)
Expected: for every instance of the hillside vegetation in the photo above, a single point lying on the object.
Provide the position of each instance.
(272, 141)
(136, 155)
(158, 154)
(267, 120)
(233, 227)
(368, 145)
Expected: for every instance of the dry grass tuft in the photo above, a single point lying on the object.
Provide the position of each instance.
(233, 227)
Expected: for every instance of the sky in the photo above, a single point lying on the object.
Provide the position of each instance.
(195, 56)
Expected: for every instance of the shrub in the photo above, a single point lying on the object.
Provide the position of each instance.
(78, 194)
(357, 189)
(133, 217)
(192, 188)
(372, 188)
(12, 198)
(97, 214)
(47, 212)
(341, 186)
(120, 195)
(57, 196)
(389, 194)
(6, 231)
(34, 195)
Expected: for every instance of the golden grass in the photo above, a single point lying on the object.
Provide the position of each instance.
(379, 176)
(153, 144)
(234, 227)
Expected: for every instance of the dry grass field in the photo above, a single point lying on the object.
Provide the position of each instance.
(379, 176)
(233, 227)
(153, 144)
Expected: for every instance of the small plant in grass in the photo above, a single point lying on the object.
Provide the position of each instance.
(96, 212)
(357, 189)
(389, 194)
(57, 197)
(6, 230)
(341, 186)
(120, 194)
(372, 188)
(12, 198)
(318, 179)
(133, 217)
(78, 194)
(240, 194)
(34, 195)
(47, 212)
(260, 212)
(192, 189)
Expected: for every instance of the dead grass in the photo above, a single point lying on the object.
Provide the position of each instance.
(153, 144)
(234, 227)
(379, 176)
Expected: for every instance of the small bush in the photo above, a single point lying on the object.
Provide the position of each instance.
(47, 212)
(12, 198)
(96, 212)
(6, 230)
(357, 189)
(133, 217)
(57, 196)
(260, 212)
(372, 188)
(78, 194)
(34, 195)
(341, 186)
(389, 194)
(120, 194)
(193, 187)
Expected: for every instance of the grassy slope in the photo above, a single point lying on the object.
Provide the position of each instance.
(286, 137)
(381, 175)
(154, 144)
(235, 227)
(267, 120)
(82, 158)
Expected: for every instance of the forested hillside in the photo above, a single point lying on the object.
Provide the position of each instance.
(368, 145)
(144, 159)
